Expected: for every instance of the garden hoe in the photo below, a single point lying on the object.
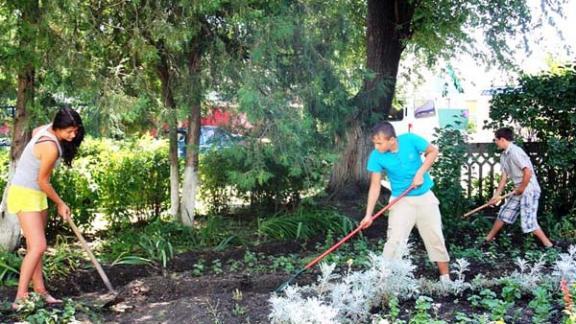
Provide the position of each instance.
(342, 241)
(486, 205)
(112, 297)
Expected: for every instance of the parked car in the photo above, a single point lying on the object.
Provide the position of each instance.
(211, 138)
(5, 142)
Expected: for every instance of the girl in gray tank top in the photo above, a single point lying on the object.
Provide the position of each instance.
(28, 167)
(30, 188)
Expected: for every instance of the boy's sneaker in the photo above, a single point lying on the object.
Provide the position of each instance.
(445, 280)
(560, 245)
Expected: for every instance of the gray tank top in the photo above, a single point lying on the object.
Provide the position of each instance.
(28, 168)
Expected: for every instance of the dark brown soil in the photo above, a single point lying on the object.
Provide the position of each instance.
(182, 298)
(184, 261)
(178, 296)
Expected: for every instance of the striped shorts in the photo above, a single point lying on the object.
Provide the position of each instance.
(526, 205)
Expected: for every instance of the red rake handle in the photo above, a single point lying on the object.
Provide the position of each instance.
(358, 229)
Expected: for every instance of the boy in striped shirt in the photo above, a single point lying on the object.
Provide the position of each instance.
(516, 165)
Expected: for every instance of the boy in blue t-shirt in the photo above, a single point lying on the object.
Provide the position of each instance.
(400, 157)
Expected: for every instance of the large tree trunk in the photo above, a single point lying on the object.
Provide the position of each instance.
(169, 102)
(388, 27)
(190, 185)
(9, 224)
(349, 177)
(25, 98)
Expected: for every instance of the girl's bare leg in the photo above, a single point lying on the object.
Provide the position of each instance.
(37, 277)
(32, 225)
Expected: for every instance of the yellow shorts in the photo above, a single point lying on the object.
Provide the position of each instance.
(22, 199)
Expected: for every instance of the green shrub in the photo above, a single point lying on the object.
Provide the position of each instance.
(261, 174)
(134, 181)
(545, 106)
(127, 181)
(215, 189)
(4, 165)
(304, 223)
(78, 188)
(10, 263)
(125, 245)
(62, 259)
(447, 173)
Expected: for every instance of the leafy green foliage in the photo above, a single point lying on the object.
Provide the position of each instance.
(10, 263)
(78, 188)
(4, 165)
(35, 311)
(215, 231)
(135, 184)
(143, 243)
(304, 223)
(447, 173)
(125, 258)
(62, 259)
(309, 56)
(59, 261)
(127, 181)
(260, 173)
(423, 306)
(545, 105)
(285, 263)
(489, 300)
(441, 27)
(541, 305)
(157, 249)
(511, 291)
(394, 310)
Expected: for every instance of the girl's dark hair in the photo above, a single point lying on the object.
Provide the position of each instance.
(67, 117)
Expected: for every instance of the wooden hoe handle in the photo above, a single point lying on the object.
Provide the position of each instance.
(92, 257)
(486, 205)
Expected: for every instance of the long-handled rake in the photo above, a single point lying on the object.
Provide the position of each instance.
(486, 205)
(342, 241)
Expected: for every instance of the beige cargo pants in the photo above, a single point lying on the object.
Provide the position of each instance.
(422, 211)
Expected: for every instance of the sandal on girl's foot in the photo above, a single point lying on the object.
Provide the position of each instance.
(49, 299)
(17, 305)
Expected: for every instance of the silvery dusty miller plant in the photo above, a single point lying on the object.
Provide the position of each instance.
(349, 299)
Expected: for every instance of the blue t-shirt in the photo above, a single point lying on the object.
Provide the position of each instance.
(401, 166)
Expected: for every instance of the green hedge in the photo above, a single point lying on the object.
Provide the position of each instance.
(259, 174)
(545, 106)
(126, 181)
